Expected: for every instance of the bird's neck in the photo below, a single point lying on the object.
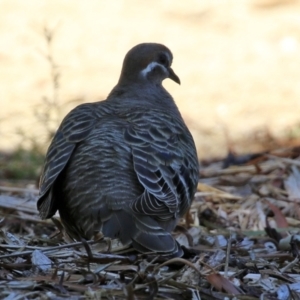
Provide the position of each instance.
(144, 94)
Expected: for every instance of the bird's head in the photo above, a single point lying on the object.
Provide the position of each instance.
(148, 63)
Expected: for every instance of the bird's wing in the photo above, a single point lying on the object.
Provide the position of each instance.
(165, 162)
(74, 128)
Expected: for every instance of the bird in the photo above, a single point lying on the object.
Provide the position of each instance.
(127, 166)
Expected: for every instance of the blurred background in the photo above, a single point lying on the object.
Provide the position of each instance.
(238, 61)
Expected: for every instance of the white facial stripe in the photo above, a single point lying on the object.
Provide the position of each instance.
(150, 67)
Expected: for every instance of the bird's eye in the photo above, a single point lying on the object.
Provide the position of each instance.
(162, 59)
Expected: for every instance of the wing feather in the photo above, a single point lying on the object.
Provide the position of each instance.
(74, 128)
(165, 160)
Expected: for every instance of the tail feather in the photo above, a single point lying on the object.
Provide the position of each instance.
(143, 232)
(162, 244)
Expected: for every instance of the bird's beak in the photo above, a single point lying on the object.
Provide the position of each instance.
(173, 76)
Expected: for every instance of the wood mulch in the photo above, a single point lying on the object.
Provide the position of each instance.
(240, 240)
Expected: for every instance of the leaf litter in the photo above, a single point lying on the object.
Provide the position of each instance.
(240, 239)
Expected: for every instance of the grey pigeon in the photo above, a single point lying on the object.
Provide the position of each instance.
(126, 166)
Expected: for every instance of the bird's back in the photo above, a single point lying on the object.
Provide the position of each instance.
(100, 178)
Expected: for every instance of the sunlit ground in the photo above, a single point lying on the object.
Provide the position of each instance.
(238, 61)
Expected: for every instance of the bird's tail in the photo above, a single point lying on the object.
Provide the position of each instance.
(143, 232)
